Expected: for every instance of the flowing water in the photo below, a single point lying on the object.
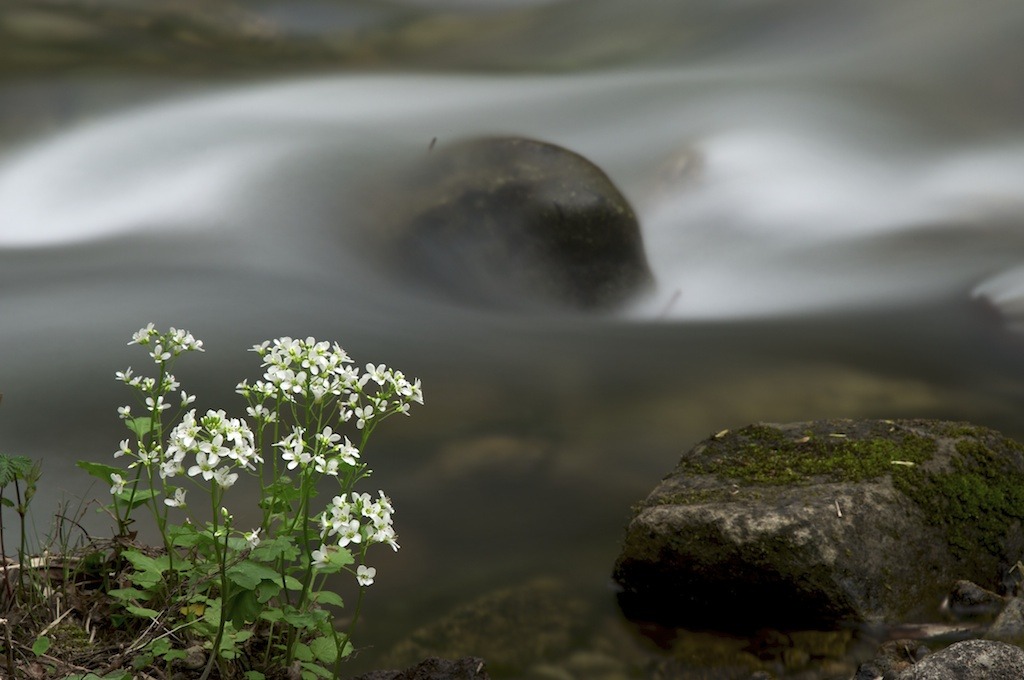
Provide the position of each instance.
(830, 199)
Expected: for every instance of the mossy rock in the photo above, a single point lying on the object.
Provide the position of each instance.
(825, 522)
(514, 223)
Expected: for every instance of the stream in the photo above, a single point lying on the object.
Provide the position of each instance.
(829, 195)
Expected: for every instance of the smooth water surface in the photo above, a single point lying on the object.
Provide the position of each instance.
(830, 200)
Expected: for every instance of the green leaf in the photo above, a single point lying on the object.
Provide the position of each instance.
(300, 620)
(254, 675)
(129, 594)
(127, 501)
(324, 650)
(148, 570)
(328, 597)
(183, 535)
(311, 670)
(249, 574)
(272, 615)
(99, 470)
(140, 426)
(269, 551)
(242, 607)
(144, 612)
(303, 652)
(266, 591)
(13, 467)
(160, 646)
(40, 646)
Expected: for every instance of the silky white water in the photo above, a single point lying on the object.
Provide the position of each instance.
(831, 204)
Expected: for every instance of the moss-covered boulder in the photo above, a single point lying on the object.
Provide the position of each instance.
(824, 522)
(512, 222)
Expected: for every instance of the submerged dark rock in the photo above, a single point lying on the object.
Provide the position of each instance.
(824, 522)
(467, 668)
(513, 222)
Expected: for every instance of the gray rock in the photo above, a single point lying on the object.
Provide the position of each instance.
(969, 601)
(821, 522)
(970, 660)
(1009, 625)
(513, 222)
(893, 657)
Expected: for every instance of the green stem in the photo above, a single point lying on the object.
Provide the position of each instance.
(221, 554)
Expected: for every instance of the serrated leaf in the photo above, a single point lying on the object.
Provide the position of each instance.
(328, 597)
(148, 570)
(266, 591)
(249, 574)
(272, 615)
(13, 467)
(324, 650)
(271, 550)
(141, 426)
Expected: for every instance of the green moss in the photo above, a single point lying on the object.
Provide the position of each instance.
(976, 500)
(761, 454)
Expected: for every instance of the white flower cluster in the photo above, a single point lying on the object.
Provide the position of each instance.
(358, 519)
(329, 452)
(345, 520)
(307, 370)
(166, 346)
(219, 445)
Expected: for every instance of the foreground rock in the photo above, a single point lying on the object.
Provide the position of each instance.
(970, 660)
(824, 522)
(514, 222)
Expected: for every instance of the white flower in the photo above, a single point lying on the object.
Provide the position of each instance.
(178, 501)
(187, 398)
(365, 574)
(348, 532)
(117, 482)
(159, 354)
(224, 477)
(124, 376)
(124, 412)
(125, 449)
(320, 556)
(252, 537)
(364, 415)
(328, 437)
(377, 374)
(141, 336)
(326, 466)
(348, 453)
(203, 466)
(159, 404)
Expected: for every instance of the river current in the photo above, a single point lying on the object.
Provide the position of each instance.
(830, 200)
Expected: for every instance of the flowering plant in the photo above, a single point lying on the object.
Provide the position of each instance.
(259, 592)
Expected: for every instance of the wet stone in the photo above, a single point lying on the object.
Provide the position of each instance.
(512, 222)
